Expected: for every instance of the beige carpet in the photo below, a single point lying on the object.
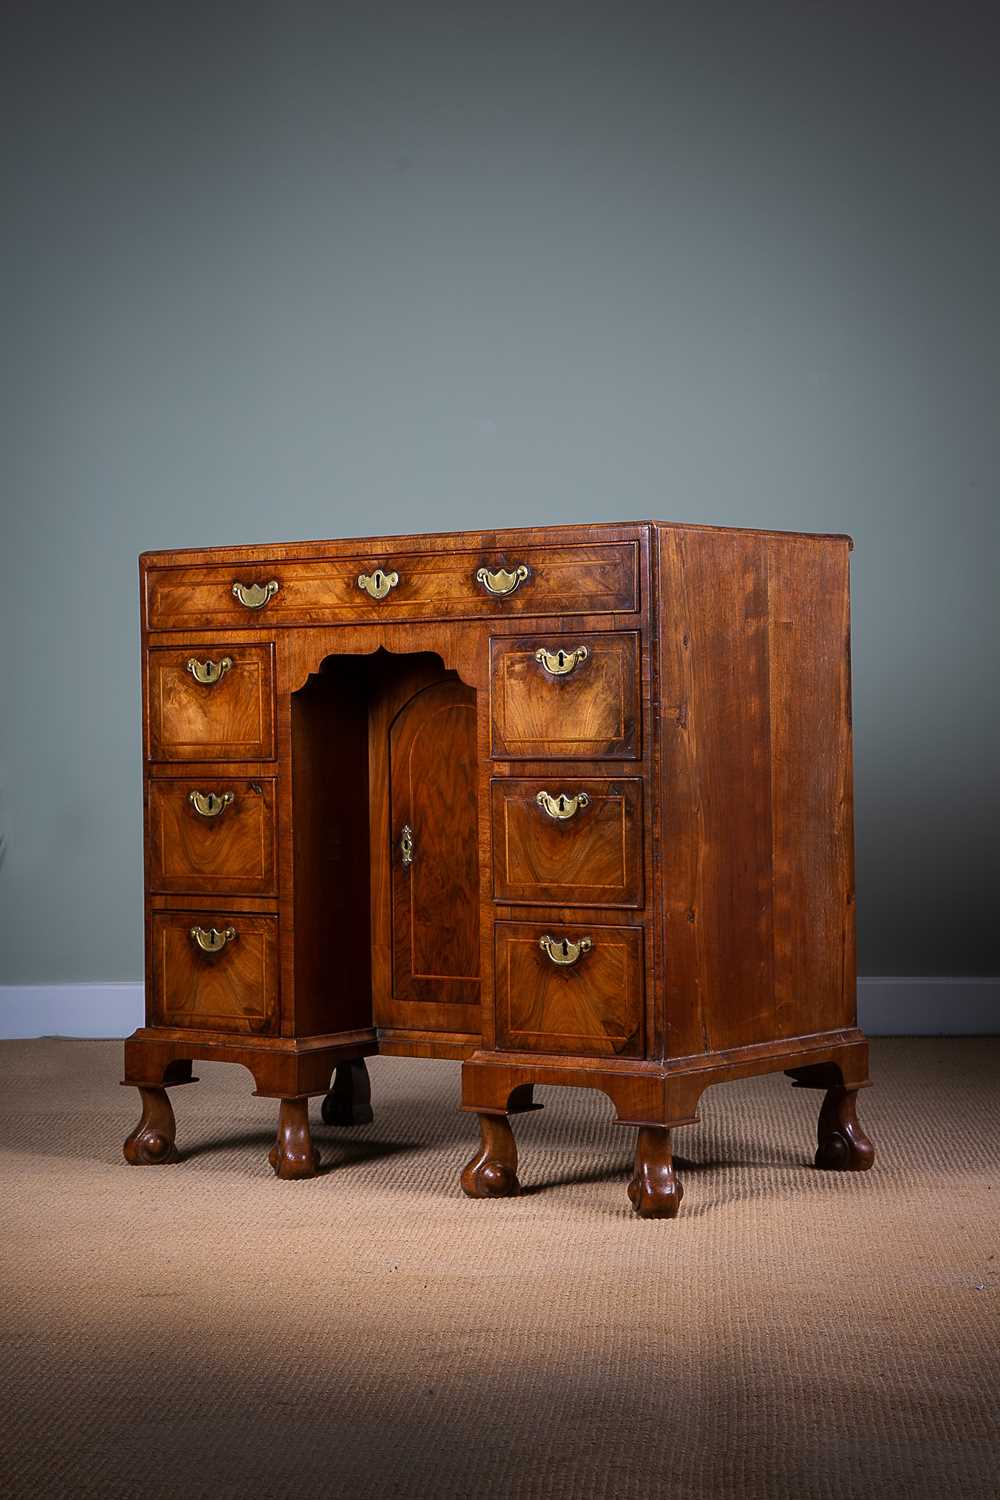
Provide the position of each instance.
(205, 1330)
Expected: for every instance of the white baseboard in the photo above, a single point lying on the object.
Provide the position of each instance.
(105, 1010)
(886, 1006)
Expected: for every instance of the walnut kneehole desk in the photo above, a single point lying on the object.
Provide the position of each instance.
(571, 804)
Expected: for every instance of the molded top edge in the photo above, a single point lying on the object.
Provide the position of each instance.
(443, 541)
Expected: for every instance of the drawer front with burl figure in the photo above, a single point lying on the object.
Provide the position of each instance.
(210, 703)
(572, 698)
(573, 841)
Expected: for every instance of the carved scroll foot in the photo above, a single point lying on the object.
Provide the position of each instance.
(655, 1189)
(151, 1143)
(349, 1101)
(492, 1172)
(293, 1156)
(843, 1145)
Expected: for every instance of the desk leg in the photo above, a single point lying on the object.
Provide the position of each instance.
(492, 1172)
(842, 1144)
(151, 1143)
(655, 1190)
(349, 1101)
(293, 1156)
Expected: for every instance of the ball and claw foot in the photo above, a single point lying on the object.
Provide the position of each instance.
(843, 1145)
(655, 1189)
(349, 1101)
(151, 1143)
(492, 1172)
(293, 1155)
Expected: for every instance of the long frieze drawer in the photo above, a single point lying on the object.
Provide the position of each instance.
(217, 971)
(210, 703)
(215, 835)
(569, 989)
(565, 697)
(567, 841)
(602, 578)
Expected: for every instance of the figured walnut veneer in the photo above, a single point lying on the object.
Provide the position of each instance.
(236, 850)
(591, 858)
(571, 804)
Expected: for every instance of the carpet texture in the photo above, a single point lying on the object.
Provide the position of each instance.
(202, 1329)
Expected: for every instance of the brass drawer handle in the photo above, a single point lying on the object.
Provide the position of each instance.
(255, 595)
(208, 672)
(210, 804)
(562, 951)
(502, 581)
(561, 806)
(376, 585)
(406, 846)
(211, 940)
(560, 663)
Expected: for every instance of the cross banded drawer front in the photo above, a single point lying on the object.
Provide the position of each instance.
(567, 841)
(602, 578)
(210, 703)
(211, 836)
(572, 697)
(569, 989)
(215, 970)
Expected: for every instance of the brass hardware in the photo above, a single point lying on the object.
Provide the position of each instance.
(211, 940)
(376, 585)
(562, 806)
(255, 595)
(406, 846)
(559, 663)
(562, 951)
(209, 804)
(208, 672)
(502, 581)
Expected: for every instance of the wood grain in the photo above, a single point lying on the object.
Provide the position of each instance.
(755, 788)
(593, 858)
(234, 990)
(577, 580)
(233, 852)
(228, 720)
(591, 713)
(592, 1006)
(435, 897)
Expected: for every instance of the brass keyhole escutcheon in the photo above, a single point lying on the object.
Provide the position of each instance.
(378, 584)
(563, 951)
(560, 663)
(406, 846)
(561, 806)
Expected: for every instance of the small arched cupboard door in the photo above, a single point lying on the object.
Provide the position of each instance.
(434, 861)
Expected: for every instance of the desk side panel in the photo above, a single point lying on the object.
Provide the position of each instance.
(756, 788)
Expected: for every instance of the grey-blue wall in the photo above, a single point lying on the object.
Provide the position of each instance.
(289, 270)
